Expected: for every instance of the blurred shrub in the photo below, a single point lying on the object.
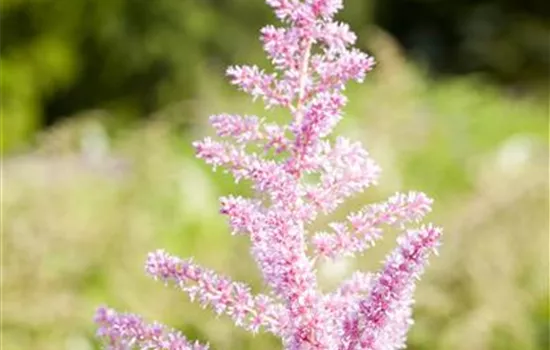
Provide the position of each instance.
(133, 57)
(128, 56)
(506, 40)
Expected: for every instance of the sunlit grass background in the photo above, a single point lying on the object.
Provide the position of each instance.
(81, 209)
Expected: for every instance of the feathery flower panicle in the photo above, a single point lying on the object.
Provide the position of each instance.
(313, 60)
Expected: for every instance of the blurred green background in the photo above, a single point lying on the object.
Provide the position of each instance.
(101, 100)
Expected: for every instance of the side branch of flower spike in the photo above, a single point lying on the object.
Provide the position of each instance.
(218, 292)
(123, 331)
(366, 224)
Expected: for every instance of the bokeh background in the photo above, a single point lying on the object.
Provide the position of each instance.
(102, 98)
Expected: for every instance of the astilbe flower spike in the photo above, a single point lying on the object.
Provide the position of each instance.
(312, 62)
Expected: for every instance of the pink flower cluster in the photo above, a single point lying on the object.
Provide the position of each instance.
(297, 173)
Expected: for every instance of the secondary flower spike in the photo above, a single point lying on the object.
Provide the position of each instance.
(313, 59)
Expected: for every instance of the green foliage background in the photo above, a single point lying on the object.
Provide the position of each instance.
(134, 57)
(101, 100)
